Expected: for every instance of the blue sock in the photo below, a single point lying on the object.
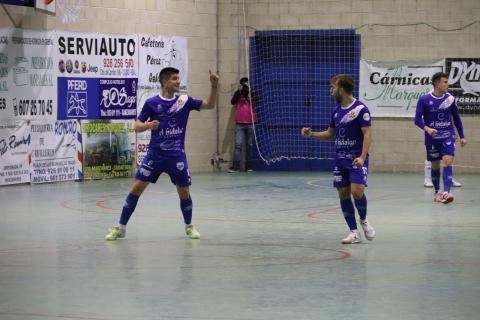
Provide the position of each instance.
(361, 205)
(447, 178)
(349, 213)
(436, 179)
(128, 208)
(186, 205)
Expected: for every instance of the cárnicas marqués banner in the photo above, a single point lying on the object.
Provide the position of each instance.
(464, 83)
(392, 89)
(97, 75)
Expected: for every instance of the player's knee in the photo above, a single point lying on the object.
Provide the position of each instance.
(183, 192)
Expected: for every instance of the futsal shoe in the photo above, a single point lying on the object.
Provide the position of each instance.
(456, 183)
(428, 184)
(352, 237)
(233, 170)
(367, 229)
(115, 233)
(447, 197)
(438, 197)
(192, 232)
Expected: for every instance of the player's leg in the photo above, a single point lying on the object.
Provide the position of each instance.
(433, 155)
(447, 161)
(342, 183)
(358, 181)
(129, 206)
(186, 206)
(180, 177)
(148, 171)
(447, 152)
(427, 182)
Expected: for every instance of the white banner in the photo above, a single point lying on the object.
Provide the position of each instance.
(14, 139)
(54, 147)
(28, 86)
(158, 52)
(392, 89)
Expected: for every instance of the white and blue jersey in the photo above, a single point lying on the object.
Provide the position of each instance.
(166, 151)
(441, 114)
(348, 123)
(168, 139)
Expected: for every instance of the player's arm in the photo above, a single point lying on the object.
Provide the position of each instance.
(209, 103)
(141, 126)
(458, 124)
(320, 135)
(367, 141)
(419, 119)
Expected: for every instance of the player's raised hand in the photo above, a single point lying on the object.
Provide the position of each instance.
(213, 78)
(307, 132)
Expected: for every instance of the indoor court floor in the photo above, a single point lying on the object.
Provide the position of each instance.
(270, 249)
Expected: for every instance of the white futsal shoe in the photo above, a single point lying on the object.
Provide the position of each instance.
(367, 229)
(352, 237)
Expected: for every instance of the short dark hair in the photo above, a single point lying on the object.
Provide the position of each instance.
(166, 73)
(437, 76)
(243, 80)
(344, 81)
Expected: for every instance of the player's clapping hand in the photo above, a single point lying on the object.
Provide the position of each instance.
(213, 78)
(307, 132)
(153, 125)
(463, 142)
(358, 162)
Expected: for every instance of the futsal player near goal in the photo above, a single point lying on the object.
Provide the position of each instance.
(436, 114)
(350, 125)
(166, 114)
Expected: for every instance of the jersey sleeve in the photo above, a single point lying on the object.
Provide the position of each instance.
(365, 118)
(194, 104)
(457, 121)
(332, 120)
(145, 113)
(419, 114)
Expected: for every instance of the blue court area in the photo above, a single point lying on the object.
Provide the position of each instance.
(270, 249)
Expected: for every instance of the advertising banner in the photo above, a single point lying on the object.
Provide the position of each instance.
(54, 149)
(28, 88)
(108, 149)
(158, 52)
(392, 89)
(14, 140)
(464, 83)
(97, 76)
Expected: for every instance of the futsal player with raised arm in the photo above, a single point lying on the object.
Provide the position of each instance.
(350, 125)
(166, 115)
(436, 114)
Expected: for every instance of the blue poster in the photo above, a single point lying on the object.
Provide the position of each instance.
(93, 98)
(118, 98)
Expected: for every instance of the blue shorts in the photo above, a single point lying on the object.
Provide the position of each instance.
(436, 150)
(343, 176)
(153, 166)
